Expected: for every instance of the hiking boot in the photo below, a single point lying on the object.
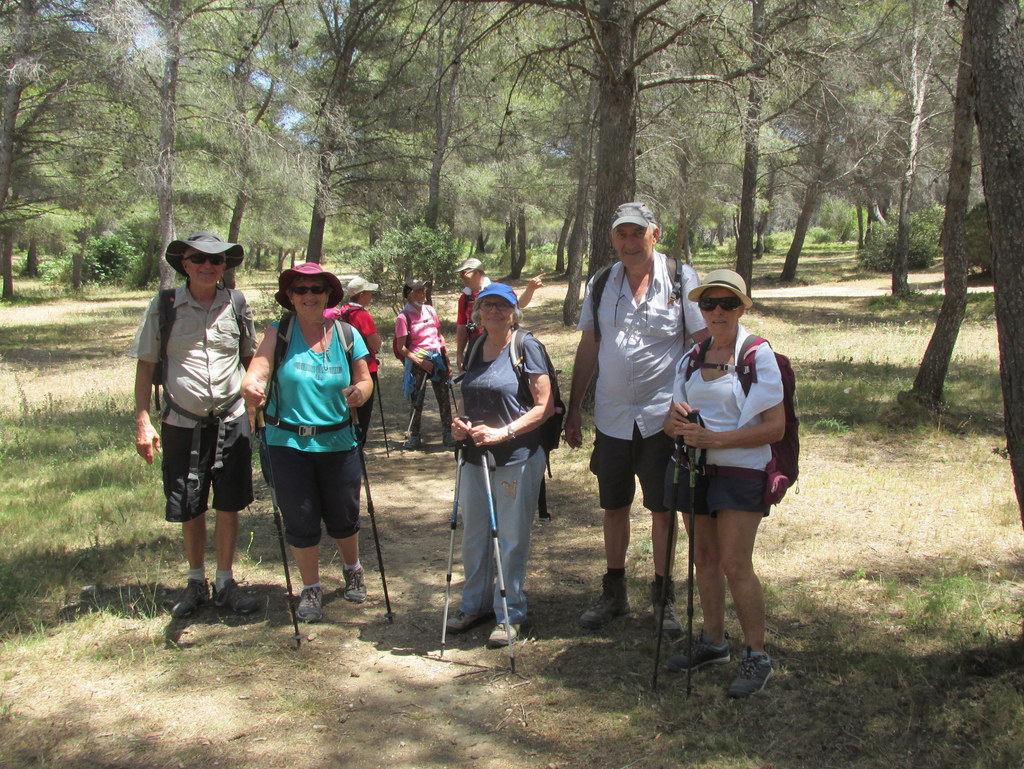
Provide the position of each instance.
(231, 595)
(755, 670)
(355, 586)
(670, 625)
(704, 653)
(499, 636)
(462, 621)
(311, 604)
(612, 603)
(449, 440)
(196, 593)
(413, 443)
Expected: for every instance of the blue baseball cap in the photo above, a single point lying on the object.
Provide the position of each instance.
(499, 289)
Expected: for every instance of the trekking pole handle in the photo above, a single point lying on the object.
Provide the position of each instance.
(693, 418)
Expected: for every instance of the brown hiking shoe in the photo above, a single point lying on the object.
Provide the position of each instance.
(670, 625)
(613, 603)
(232, 597)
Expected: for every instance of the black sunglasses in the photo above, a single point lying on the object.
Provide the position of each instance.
(214, 259)
(302, 290)
(727, 303)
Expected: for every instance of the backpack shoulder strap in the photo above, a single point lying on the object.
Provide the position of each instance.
(472, 348)
(747, 372)
(695, 357)
(165, 317)
(600, 281)
(238, 305)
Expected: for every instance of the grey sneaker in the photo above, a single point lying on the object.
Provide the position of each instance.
(355, 586)
(196, 593)
(311, 604)
(499, 636)
(670, 625)
(462, 621)
(413, 443)
(755, 670)
(232, 597)
(613, 603)
(704, 653)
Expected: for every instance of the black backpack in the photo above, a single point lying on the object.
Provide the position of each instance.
(166, 316)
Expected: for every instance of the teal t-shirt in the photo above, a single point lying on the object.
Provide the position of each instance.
(308, 391)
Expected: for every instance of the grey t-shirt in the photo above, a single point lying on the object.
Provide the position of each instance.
(491, 393)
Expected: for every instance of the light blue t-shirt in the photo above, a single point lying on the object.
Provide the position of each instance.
(308, 391)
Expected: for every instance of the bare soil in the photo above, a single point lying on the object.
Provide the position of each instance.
(108, 686)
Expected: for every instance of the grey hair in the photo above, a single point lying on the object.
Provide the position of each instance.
(517, 316)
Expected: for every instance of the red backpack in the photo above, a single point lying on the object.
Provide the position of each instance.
(784, 468)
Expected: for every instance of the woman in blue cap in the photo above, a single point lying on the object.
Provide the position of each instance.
(500, 416)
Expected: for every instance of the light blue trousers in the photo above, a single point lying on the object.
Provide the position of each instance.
(515, 489)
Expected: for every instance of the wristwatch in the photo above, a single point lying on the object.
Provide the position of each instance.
(510, 432)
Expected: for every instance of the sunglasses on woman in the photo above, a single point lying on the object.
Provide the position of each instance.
(303, 290)
(727, 303)
(214, 259)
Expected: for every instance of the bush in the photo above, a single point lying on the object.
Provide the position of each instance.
(819, 235)
(925, 230)
(839, 218)
(111, 259)
(410, 251)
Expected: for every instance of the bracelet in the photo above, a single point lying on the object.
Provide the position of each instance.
(510, 432)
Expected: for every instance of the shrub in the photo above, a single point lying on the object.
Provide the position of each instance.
(839, 218)
(410, 251)
(925, 229)
(819, 235)
(111, 259)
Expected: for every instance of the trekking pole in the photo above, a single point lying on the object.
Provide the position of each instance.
(417, 402)
(268, 476)
(390, 615)
(694, 417)
(488, 467)
(666, 579)
(451, 542)
(383, 424)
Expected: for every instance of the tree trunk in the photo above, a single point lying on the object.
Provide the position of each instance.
(681, 248)
(78, 259)
(511, 242)
(168, 128)
(578, 234)
(444, 111)
(519, 260)
(860, 226)
(751, 150)
(931, 376)
(7, 263)
(997, 58)
(321, 207)
(615, 174)
(920, 76)
(563, 237)
(32, 260)
(812, 196)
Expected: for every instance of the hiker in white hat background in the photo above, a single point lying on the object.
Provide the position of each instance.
(196, 341)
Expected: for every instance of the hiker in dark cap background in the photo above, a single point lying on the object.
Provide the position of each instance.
(202, 336)
(419, 342)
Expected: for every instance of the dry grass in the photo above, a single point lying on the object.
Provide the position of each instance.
(893, 579)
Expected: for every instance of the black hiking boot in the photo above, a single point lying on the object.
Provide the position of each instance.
(613, 603)
(232, 597)
(670, 625)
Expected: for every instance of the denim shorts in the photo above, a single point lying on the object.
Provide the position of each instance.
(719, 492)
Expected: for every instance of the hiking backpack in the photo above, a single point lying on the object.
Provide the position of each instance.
(551, 430)
(784, 468)
(394, 340)
(166, 315)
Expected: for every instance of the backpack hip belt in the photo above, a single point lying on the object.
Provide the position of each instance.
(306, 431)
(215, 417)
(727, 471)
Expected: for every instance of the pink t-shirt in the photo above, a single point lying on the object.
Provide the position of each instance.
(425, 331)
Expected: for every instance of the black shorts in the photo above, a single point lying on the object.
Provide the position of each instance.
(719, 492)
(232, 484)
(314, 486)
(617, 463)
